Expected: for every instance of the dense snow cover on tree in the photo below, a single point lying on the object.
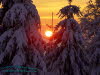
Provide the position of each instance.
(20, 41)
(21, 44)
(90, 22)
(69, 58)
(95, 56)
(73, 57)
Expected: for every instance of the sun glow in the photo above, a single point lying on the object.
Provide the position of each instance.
(48, 33)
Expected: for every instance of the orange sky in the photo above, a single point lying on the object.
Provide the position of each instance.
(46, 7)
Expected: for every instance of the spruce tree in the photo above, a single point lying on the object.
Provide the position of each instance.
(90, 21)
(69, 57)
(20, 40)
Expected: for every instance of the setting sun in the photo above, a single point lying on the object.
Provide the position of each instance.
(48, 33)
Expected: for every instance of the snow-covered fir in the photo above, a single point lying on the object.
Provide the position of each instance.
(67, 53)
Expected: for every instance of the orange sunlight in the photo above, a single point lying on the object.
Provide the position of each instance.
(48, 33)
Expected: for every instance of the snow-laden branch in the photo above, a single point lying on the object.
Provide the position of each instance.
(69, 11)
(20, 14)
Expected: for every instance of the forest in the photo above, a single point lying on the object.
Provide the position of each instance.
(74, 48)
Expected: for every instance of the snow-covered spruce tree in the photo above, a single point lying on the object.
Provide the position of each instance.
(68, 58)
(20, 42)
(94, 55)
(90, 24)
(90, 21)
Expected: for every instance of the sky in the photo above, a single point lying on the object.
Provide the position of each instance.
(46, 7)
